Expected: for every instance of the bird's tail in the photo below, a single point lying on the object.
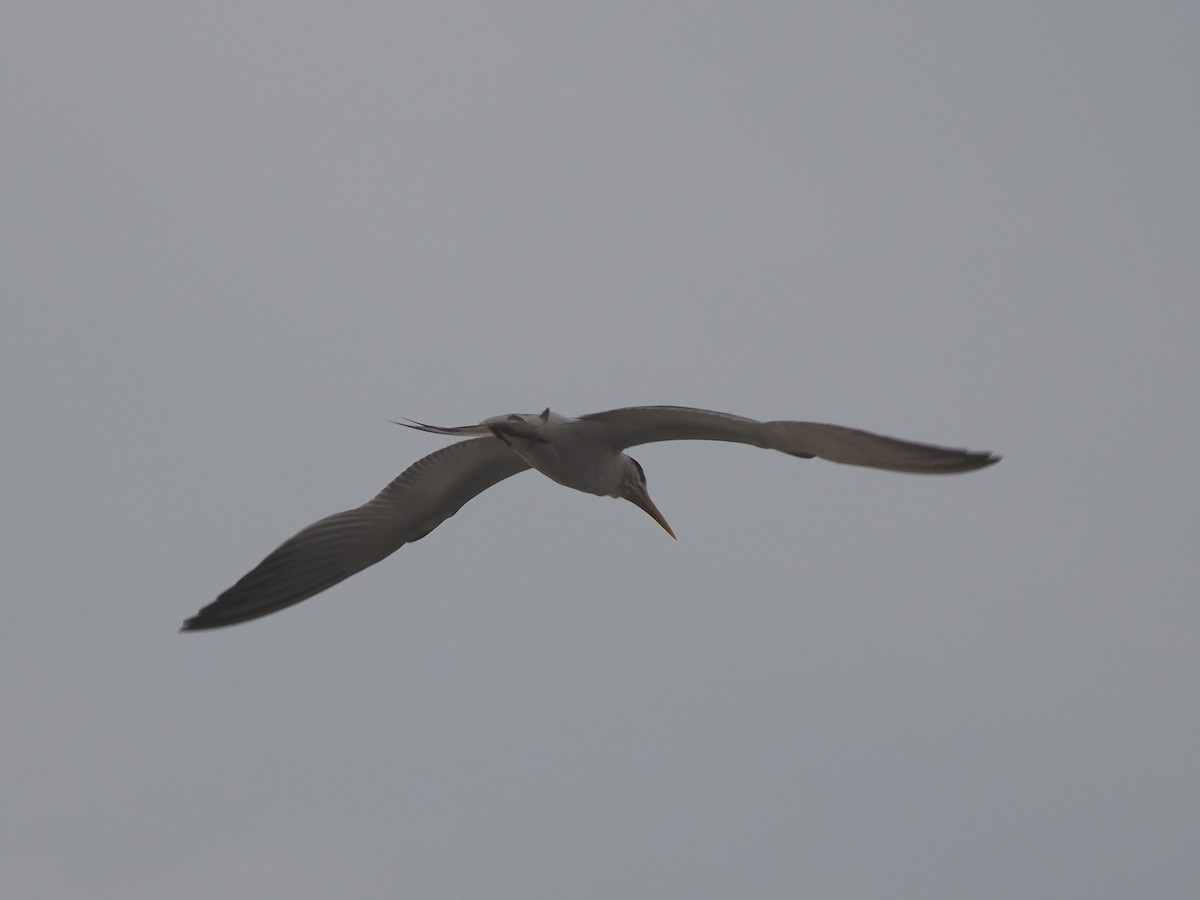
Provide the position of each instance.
(455, 431)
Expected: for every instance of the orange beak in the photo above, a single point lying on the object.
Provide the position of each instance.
(644, 501)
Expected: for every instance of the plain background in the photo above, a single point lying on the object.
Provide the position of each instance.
(238, 238)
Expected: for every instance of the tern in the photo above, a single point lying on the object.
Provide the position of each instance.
(585, 453)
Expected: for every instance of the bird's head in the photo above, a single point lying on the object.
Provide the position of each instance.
(633, 488)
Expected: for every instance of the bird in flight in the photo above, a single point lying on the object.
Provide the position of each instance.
(587, 453)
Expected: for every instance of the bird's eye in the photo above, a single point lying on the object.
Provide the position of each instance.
(641, 472)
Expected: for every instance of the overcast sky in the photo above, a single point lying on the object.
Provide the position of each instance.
(238, 238)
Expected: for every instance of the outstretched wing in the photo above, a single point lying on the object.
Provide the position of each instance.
(334, 548)
(646, 424)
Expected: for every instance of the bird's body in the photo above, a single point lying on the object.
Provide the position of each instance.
(585, 453)
(555, 445)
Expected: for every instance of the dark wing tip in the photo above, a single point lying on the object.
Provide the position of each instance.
(209, 618)
(972, 461)
(939, 462)
(950, 462)
(200, 622)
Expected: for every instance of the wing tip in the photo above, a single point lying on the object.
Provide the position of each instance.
(232, 608)
(202, 622)
(965, 461)
(982, 460)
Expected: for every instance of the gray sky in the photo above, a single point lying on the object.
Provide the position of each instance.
(238, 238)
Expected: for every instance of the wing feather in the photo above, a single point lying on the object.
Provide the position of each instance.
(332, 549)
(636, 425)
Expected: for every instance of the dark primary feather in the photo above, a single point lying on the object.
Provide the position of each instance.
(647, 424)
(336, 547)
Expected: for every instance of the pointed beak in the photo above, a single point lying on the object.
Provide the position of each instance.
(644, 501)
